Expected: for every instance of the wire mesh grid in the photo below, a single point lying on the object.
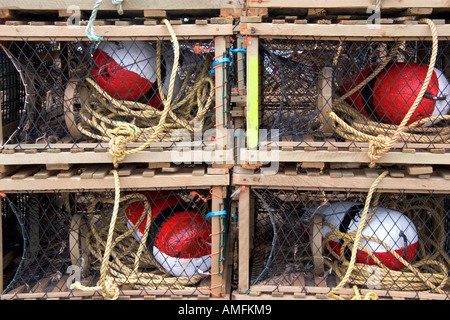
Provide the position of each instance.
(405, 244)
(12, 91)
(63, 239)
(304, 80)
(83, 92)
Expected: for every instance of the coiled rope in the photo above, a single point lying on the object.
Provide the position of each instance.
(410, 278)
(110, 277)
(387, 135)
(125, 250)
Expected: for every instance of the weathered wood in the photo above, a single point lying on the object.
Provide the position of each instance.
(347, 4)
(244, 240)
(113, 32)
(96, 177)
(92, 157)
(127, 5)
(391, 157)
(335, 31)
(355, 180)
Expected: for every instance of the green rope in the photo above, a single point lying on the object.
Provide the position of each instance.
(90, 26)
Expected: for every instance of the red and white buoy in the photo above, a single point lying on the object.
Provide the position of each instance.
(166, 73)
(391, 227)
(389, 96)
(126, 70)
(180, 235)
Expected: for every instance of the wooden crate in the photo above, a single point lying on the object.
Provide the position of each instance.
(347, 11)
(281, 246)
(47, 224)
(294, 79)
(138, 12)
(57, 46)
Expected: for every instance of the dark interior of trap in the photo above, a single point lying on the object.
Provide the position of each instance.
(281, 246)
(52, 103)
(294, 79)
(42, 240)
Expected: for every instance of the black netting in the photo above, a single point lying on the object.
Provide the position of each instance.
(81, 92)
(406, 240)
(12, 94)
(62, 238)
(304, 80)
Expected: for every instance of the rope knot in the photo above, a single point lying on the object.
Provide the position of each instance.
(118, 3)
(378, 147)
(120, 136)
(110, 290)
(368, 296)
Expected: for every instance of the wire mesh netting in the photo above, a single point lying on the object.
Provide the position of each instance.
(12, 91)
(83, 92)
(369, 84)
(405, 244)
(162, 241)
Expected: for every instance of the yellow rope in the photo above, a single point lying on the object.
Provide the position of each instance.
(110, 279)
(362, 222)
(383, 142)
(384, 277)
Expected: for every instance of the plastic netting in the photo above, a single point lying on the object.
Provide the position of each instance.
(304, 80)
(81, 92)
(62, 237)
(405, 244)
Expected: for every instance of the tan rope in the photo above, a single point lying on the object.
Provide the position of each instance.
(382, 143)
(123, 133)
(356, 244)
(386, 278)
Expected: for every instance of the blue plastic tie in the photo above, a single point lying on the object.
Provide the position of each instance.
(238, 50)
(216, 213)
(219, 61)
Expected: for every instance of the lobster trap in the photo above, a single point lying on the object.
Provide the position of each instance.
(70, 249)
(318, 88)
(300, 242)
(160, 91)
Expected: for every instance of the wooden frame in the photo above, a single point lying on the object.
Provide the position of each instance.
(127, 5)
(258, 152)
(388, 4)
(139, 32)
(286, 181)
(219, 287)
(211, 152)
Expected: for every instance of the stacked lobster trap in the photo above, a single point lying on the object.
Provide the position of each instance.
(317, 88)
(301, 242)
(83, 94)
(343, 185)
(110, 150)
(161, 244)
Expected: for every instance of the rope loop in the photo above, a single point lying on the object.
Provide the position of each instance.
(378, 147)
(383, 142)
(118, 3)
(369, 295)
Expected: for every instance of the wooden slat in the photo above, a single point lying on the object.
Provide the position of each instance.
(357, 181)
(354, 32)
(346, 4)
(91, 157)
(244, 240)
(127, 5)
(87, 180)
(140, 32)
(342, 156)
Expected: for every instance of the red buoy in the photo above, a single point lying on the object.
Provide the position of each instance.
(389, 96)
(126, 70)
(180, 235)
